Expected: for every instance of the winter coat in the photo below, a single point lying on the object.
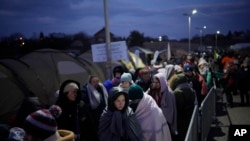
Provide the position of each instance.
(73, 113)
(185, 102)
(93, 114)
(244, 78)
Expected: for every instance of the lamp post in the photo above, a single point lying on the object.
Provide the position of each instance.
(189, 27)
(201, 34)
(217, 32)
(107, 35)
(159, 39)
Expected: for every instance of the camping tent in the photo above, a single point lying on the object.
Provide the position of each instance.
(144, 54)
(240, 46)
(40, 74)
(11, 93)
(100, 69)
(52, 67)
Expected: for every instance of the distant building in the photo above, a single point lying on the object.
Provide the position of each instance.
(76, 47)
(99, 37)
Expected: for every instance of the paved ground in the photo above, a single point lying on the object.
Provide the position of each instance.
(225, 116)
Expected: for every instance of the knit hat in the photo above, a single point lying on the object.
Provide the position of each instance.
(188, 68)
(135, 92)
(17, 134)
(42, 123)
(118, 69)
(126, 77)
(70, 86)
(202, 61)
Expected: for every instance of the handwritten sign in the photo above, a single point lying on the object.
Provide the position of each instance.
(118, 51)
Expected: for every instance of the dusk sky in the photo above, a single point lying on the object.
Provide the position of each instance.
(151, 17)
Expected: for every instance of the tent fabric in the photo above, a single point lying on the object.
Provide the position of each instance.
(25, 75)
(103, 71)
(11, 94)
(95, 69)
(53, 67)
(141, 50)
(133, 60)
(240, 46)
(144, 54)
(40, 73)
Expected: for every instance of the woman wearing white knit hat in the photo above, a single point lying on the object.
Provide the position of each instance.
(73, 113)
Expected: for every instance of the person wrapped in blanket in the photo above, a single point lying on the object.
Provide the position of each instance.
(150, 116)
(118, 122)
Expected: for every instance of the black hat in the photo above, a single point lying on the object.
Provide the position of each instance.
(118, 69)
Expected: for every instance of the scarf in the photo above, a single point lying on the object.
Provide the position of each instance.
(95, 97)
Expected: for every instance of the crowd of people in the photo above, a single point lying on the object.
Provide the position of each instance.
(147, 104)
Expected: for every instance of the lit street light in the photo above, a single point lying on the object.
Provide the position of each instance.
(201, 34)
(189, 27)
(160, 38)
(217, 32)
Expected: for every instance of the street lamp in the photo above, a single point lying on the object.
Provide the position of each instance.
(189, 27)
(160, 39)
(217, 32)
(201, 34)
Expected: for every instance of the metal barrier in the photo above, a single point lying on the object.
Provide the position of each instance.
(202, 119)
(207, 113)
(193, 126)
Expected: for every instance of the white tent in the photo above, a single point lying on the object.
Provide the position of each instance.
(240, 46)
(143, 53)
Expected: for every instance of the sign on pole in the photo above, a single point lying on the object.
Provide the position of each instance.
(99, 52)
(118, 51)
